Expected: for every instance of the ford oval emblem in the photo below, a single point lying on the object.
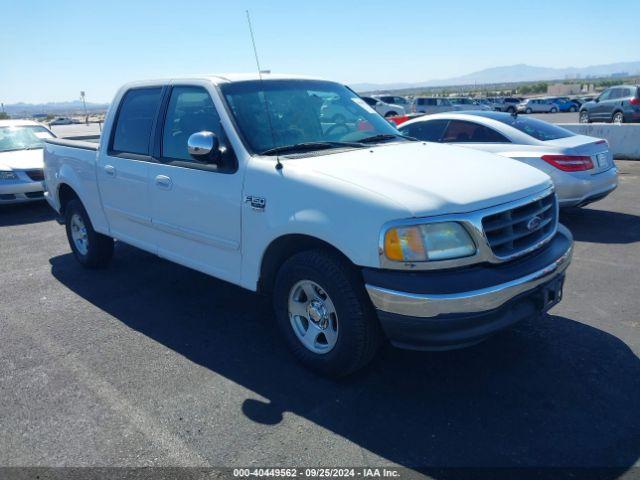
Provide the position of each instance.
(534, 223)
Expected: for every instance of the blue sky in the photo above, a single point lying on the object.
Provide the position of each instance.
(53, 49)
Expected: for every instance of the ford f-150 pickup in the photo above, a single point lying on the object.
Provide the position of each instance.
(357, 232)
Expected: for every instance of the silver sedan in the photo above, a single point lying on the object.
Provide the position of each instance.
(581, 167)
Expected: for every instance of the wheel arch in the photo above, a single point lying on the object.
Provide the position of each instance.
(66, 193)
(285, 246)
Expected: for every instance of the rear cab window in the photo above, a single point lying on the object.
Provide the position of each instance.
(134, 121)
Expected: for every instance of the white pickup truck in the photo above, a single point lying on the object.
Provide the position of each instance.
(357, 232)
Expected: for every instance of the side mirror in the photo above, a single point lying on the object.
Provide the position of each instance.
(597, 99)
(204, 146)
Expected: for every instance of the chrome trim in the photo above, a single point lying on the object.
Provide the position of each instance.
(430, 305)
(472, 222)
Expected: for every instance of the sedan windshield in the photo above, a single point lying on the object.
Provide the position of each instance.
(23, 137)
(276, 116)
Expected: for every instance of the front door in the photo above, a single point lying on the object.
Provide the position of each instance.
(123, 168)
(196, 206)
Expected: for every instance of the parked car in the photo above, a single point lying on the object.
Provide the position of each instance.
(385, 109)
(507, 104)
(434, 105)
(619, 104)
(394, 100)
(21, 174)
(565, 104)
(356, 232)
(467, 103)
(537, 105)
(581, 167)
(62, 121)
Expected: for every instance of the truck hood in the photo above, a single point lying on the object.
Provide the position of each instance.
(431, 179)
(21, 159)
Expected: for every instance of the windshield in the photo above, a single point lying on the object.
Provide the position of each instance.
(23, 138)
(535, 128)
(302, 112)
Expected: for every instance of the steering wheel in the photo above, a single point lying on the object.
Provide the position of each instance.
(335, 126)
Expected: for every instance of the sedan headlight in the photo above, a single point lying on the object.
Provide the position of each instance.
(8, 175)
(428, 242)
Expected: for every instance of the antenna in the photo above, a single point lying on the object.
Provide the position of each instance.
(266, 104)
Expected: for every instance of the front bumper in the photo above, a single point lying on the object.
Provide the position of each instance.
(22, 189)
(454, 308)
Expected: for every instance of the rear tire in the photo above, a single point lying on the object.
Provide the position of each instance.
(573, 108)
(334, 333)
(528, 110)
(554, 110)
(91, 249)
(618, 118)
(390, 114)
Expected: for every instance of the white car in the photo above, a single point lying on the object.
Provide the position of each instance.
(468, 103)
(385, 109)
(21, 174)
(581, 167)
(356, 233)
(537, 105)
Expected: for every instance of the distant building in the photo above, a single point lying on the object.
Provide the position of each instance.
(561, 89)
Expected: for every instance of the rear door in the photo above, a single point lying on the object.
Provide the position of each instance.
(123, 168)
(195, 205)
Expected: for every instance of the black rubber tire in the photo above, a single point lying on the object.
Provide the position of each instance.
(100, 248)
(553, 110)
(359, 331)
(528, 110)
(573, 108)
(511, 110)
(584, 115)
(390, 114)
(613, 117)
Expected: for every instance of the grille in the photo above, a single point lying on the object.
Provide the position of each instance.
(35, 194)
(514, 231)
(36, 175)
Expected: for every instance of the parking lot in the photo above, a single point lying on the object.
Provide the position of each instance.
(149, 363)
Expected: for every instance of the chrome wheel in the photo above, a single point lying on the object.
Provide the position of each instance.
(79, 234)
(584, 117)
(313, 317)
(618, 118)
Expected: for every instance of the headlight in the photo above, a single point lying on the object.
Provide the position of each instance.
(427, 242)
(7, 175)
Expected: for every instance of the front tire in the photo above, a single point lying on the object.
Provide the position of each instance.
(573, 108)
(584, 117)
(91, 249)
(323, 311)
(528, 110)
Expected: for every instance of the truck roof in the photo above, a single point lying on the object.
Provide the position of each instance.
(222, 78)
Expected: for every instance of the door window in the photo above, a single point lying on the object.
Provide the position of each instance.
(138, 110)
(191, 110)
(469, 132)
(430, 131)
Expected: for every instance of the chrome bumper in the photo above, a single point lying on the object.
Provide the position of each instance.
(431, 305)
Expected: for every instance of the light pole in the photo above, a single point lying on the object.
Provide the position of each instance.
(84, 104)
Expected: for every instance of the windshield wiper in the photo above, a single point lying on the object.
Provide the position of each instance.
(384, 136)
(309, 146)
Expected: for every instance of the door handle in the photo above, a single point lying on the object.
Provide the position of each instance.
(163, 181)
(110, 170)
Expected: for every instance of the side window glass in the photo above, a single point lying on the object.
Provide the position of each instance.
(469, 132)
(137, 112)
(606, 95)
(191, 110)
(430, 131)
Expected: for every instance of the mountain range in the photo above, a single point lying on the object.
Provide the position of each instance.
(53, 108)
(511, 74)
